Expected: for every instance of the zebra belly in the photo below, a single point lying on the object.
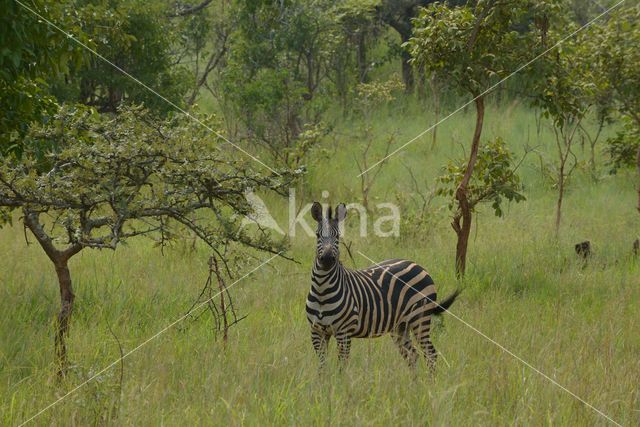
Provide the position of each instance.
(342, 321)
(377, 322)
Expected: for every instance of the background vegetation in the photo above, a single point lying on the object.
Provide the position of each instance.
(319, 91)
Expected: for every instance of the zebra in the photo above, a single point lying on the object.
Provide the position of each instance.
(396, 296)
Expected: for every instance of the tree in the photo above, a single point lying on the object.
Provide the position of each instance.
(562, 87)
(398, 14)
(616, 57)
(205, 30)
(139, 38)
(371, 96)
(278, 57)
(494, 179)
(360, 26)
(31, 55)
(473, 47)
(41, 66)
(86, 180)
(623, 147)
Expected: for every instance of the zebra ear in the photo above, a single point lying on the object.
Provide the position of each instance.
(316, 211)
(341, 212)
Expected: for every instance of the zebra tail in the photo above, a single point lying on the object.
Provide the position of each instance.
(444, 305)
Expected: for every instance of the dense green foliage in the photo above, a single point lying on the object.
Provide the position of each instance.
(31, 54)
(494, 178)
(462, 42)
(137, 37)
(623, 147)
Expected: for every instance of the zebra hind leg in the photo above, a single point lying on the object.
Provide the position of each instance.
(422, 331)
(403, 340)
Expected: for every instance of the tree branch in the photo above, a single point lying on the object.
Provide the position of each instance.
(189, 10)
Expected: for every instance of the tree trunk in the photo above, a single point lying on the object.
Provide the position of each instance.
(638, 167)
(407, 72)
(435, 93)
(363, 67)
(463, 230)
(212, 64)
(559, 203)
(66, 307)
(421, 83)
(404, 28)
(60, 259)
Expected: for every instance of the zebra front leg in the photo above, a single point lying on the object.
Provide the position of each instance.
(344, 348)
(320, 342)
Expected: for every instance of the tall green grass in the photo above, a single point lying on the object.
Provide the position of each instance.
(524, 289)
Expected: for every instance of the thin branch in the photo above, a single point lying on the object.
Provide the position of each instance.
(113, 334)
(189, 10)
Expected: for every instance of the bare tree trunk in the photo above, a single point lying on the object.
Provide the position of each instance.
(638, 167)
(212, 64)
(463, 230)
(560, 197)
(421, 83)
(60, 259)
(66, 307)
(435, 93)
(564, 138)
(407, 72)
(363, 67)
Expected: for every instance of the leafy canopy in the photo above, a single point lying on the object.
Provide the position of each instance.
(40, 67)
(472, 45)
(32, 54)
(111, 178)
(494, 178)
(138, 37)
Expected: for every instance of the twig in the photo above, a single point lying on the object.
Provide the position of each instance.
(348, 247)
(121, 362)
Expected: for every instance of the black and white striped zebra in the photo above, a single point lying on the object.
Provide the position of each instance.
(395, 296)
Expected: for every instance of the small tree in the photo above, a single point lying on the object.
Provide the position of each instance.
(398, 14)
(623, 147)
(472, 46)
(371, 96)
(616, 55)
(359, 27)
(600, 91)
(563, 89)
(204, 31)
(494, 179)
(86, 181)
(278, 58)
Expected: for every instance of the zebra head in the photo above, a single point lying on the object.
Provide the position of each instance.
(328, 234)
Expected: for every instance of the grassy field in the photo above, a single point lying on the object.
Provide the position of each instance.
(524, 289)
